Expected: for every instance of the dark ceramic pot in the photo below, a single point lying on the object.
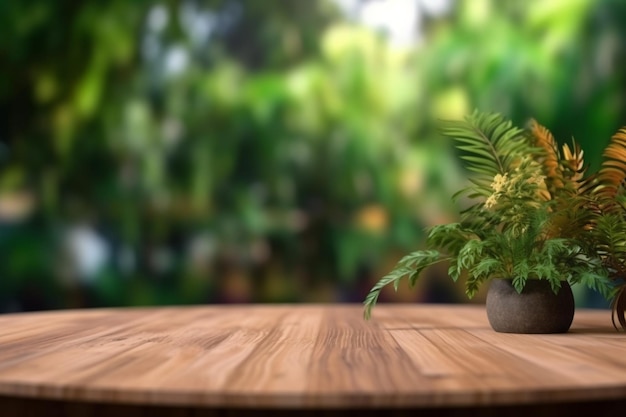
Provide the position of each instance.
(537, 309)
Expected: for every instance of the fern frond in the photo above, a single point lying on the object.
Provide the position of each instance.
(450, 238)
(572, 209)
(612, 174)
(593, 280)
(551, 158)
(564, 169)
(610, 240)
(490, 144)
(572, 217)
(411, 265)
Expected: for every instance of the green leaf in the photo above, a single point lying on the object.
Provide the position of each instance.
(454, 271)
(470, 254)
(490, 142)
(412, 265)
(597, 281)
(519, 282)
(487, 267)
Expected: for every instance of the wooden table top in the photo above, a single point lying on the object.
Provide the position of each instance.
(310, 356)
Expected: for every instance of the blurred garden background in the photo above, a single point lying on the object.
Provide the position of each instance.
(205, 151)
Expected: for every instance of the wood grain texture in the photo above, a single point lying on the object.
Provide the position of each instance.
(305, 356)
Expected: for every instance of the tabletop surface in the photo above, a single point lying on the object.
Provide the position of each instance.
(316, 356)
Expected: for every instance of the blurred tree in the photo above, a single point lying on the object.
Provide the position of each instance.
(161, 154)
(190, 151)
(557, 61)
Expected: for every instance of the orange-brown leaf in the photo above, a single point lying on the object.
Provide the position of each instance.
(612, 173)
(544, 139)
(574, 164)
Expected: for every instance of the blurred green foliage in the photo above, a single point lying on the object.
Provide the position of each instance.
(234, 151)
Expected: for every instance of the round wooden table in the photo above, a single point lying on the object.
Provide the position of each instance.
(305, 360)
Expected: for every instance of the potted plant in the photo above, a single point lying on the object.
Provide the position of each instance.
(608, 203)
(531, 230)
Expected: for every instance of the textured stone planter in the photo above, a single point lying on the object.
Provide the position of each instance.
(536, 310)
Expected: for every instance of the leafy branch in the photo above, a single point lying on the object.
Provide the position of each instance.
(491, 146)
(411, 265)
